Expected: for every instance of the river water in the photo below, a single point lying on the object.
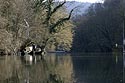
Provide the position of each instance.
(63, 68)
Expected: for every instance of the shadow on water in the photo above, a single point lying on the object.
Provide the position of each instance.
(124, 66)
(63, 68)
(98, 68)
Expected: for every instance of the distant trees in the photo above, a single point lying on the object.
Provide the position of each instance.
(100, 29)
(35, 20)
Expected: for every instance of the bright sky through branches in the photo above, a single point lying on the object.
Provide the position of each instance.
(91, 1)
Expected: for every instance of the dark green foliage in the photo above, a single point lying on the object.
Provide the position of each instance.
(100, 29)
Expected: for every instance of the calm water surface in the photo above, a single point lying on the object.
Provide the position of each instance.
(63, 68)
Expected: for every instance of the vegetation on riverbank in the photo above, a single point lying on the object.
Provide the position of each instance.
(42, 22)
(101, 28)
(47, 24)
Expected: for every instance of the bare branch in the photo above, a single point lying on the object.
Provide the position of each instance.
(38, 3)
(50, 12)
(60, 21)
(26, 23)
(28, 29)
(57, 7)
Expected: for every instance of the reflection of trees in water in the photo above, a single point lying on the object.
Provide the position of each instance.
(99, 68)
(8, 68)
(53, 69)
(61, 66)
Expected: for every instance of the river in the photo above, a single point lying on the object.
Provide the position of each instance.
(63, 68)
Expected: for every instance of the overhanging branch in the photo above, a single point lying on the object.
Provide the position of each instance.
(60, 21)
(50, 12)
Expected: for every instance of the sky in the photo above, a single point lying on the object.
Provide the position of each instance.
(91, 1)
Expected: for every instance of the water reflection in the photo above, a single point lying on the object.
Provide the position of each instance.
(51, 69)
(124, 66)
(98, 68)
(63, 68)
